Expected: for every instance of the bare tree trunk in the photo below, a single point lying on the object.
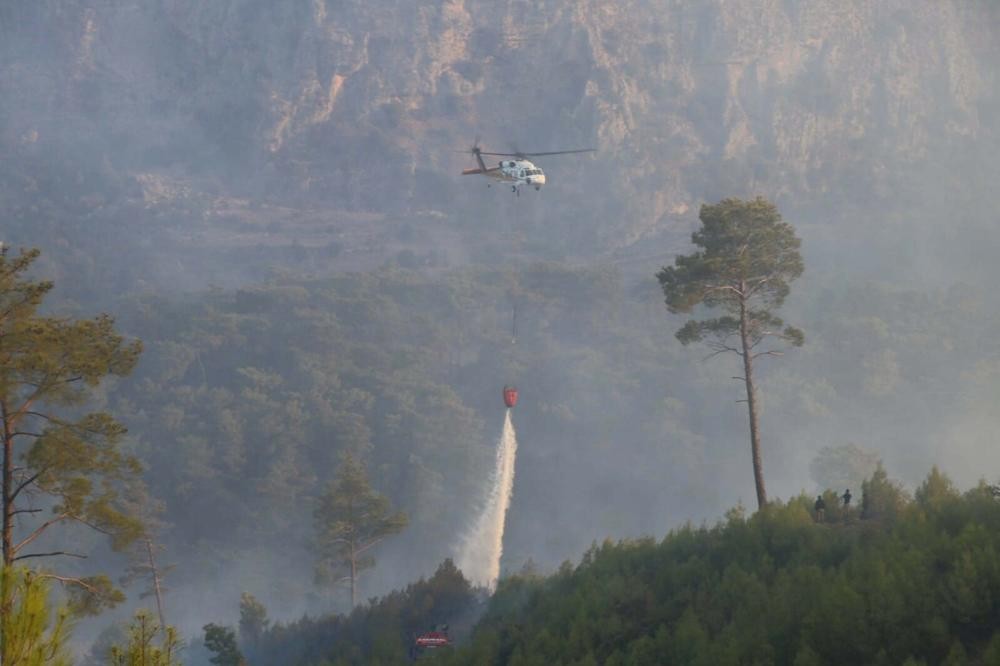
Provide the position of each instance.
(142, 639)
(156, 583)
(8, 490)
(354, 574)
(8, 525)
(758, 469)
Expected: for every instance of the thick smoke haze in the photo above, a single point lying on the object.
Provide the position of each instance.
(267, 195)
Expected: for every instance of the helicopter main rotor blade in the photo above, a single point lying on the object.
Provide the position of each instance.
(556, 152)
(561, 152)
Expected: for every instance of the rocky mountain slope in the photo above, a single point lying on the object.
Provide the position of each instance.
(204, 113)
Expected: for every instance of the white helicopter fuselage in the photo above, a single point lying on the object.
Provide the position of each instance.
(519, 172)
(515, 172)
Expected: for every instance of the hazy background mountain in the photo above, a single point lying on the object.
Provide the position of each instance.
(267, 194)
(334, 124)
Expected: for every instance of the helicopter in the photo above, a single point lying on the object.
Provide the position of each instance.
(518, 171)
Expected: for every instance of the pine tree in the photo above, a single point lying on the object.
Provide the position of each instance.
(350, 520)
(51, 446)
(253, 619)
(222, 642)
(746, 259)
(881, 497)
(143, 554)
(31, 638)
(143, 648)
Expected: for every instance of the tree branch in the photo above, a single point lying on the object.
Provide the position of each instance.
(16, 416)
(52, 554)
(43, 416)
(38, 531)
(90, 525)
(27, 482)
(723, 351)
(760, 283)
(724, 287)
(36, 394)
(369, 545)
(721, 344)
(340, 540)
(72, 581)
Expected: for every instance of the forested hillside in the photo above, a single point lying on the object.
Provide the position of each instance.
(379, 633)
(893, 578)
(895, 581)
(245, 399)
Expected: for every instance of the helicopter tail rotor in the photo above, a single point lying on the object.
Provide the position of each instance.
(478, 152)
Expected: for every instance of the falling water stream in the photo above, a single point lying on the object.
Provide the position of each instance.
(479, 555)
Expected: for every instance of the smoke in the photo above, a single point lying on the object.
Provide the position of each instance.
(170, 146)
(482, 547)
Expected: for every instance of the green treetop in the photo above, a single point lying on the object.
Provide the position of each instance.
(32, 636)
(253, 619)
(144, 648)
(221, 641)
(351, 518)
(746, 259)
(144, 553)
(51, 446)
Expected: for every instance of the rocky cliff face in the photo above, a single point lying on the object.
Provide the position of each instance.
(358, 105)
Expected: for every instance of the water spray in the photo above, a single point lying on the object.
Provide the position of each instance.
(482, 547)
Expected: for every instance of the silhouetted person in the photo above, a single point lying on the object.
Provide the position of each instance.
(820, 507)
(847, 498)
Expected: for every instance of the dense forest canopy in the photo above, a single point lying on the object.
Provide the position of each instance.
(246, 398)
(893, 578)
(894, 581)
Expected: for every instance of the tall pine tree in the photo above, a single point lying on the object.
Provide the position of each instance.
(746, 259)
(53, 450)
(351, 519)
